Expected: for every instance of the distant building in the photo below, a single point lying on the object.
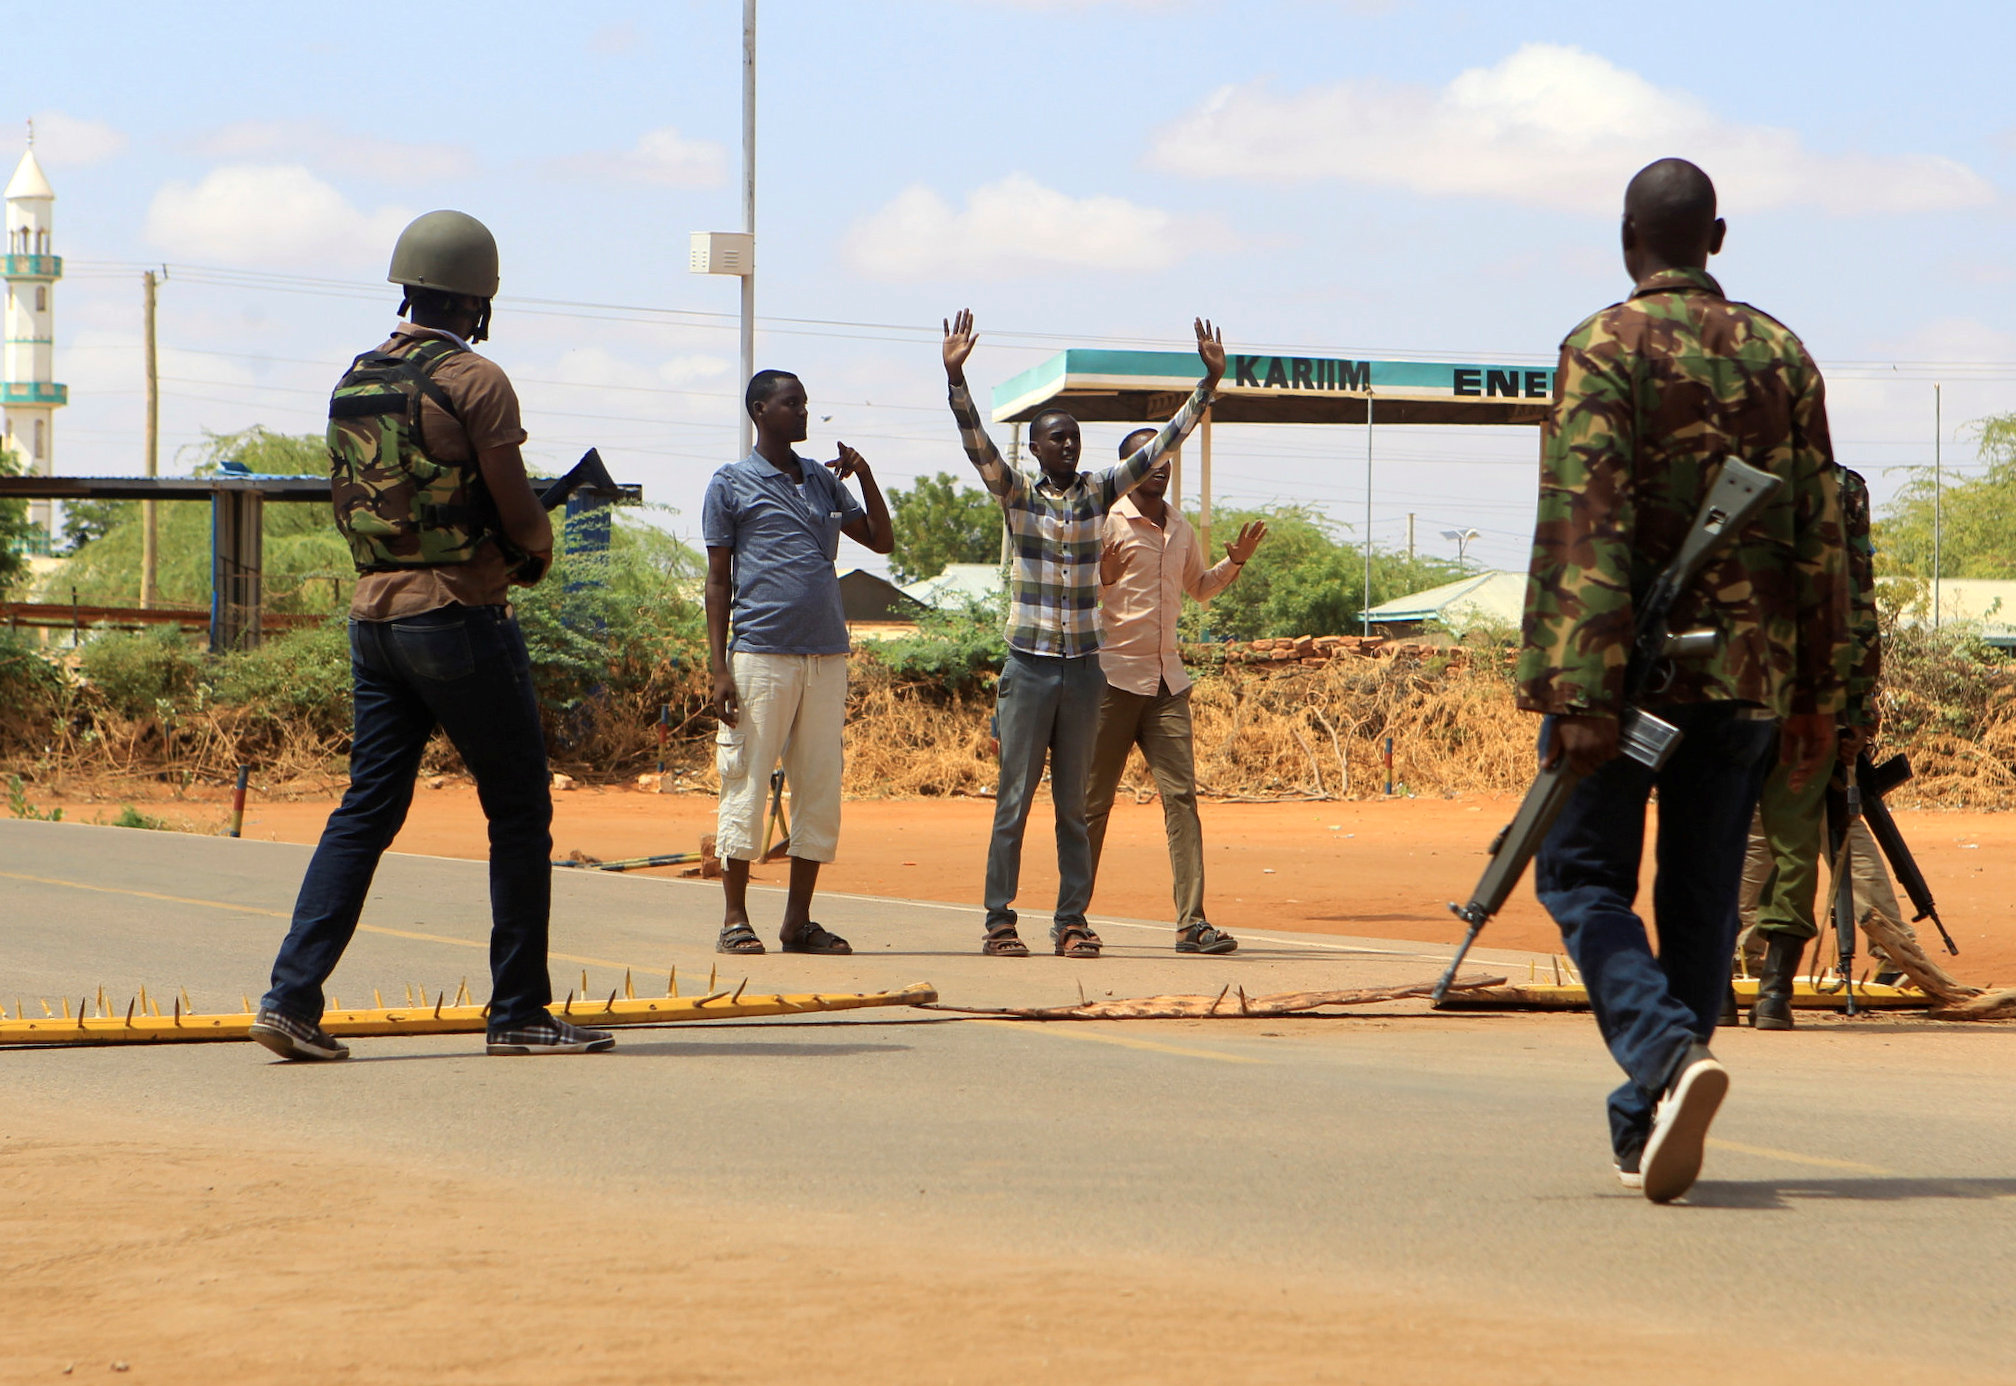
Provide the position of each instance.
(1482, 599)
(29, 390)
(958, 585)
(1988, 605)
(876, 608)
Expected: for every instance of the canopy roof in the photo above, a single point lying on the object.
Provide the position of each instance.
(1097, 386)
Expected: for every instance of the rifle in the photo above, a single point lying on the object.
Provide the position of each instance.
(589, 477)
(1739, 492)
(1878, 780)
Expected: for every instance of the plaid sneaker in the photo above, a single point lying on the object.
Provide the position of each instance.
(550, 1036)
(295, 1039)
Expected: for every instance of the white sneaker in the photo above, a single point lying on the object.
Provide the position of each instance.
(1630, 1178)
(1672, 1158)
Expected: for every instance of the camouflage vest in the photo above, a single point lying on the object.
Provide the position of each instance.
(398, 507)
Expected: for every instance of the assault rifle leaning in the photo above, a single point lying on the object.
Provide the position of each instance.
(1739, 492)
(1876, 781)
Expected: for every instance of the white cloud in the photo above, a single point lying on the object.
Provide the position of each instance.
(1012, 227)
(1549, 125)
(324, 147)
(63, 141)
(663, 157)
(269, 214)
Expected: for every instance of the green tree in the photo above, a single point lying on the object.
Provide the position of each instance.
(14, 530)
(1303, 580)
(938, 522)
(1978, 520)
(86, 520)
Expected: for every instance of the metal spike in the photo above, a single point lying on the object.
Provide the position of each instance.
(1213, 1008)
(409, 993)
(568, 1008)
(738, 992)
(187, 1004)
(629, 992)
(438, 1001)
(1555, 963)
(104, 1006)
(335, 1004)
(45, 1005)
(246, 1001)
(142, 998)
(462, 993)
(1081, 995)
(672, 982)
(129, 1011)
(83, 1005)
(610, 1005)
(712, 972)
(584, 982)
(377, 1000)
(178, 1011)
(1242, 1002)
(66, 1008)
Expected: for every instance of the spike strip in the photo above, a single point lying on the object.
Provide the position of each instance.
(1573, 995)
(442, 1019)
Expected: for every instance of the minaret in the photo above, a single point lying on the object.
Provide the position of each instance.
(28, 389)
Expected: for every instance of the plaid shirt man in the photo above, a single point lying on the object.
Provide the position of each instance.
(1053, 582)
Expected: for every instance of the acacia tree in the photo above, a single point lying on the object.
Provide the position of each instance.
(938, 521)
(14, 529)
(1977, 522)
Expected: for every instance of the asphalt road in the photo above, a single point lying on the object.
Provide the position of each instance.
(1457, 1155)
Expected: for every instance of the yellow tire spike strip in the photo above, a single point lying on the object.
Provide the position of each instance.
(439, 1018)
(1568, 996)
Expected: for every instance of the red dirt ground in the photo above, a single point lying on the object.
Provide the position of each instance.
(1378, 868)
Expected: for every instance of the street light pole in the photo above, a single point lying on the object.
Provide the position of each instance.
(1938, 501)
(747, 434)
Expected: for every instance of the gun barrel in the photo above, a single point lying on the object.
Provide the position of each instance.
(1544, 800)
(1890, 838)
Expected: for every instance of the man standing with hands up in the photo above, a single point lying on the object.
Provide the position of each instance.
(1052, 684)
(1150, 559)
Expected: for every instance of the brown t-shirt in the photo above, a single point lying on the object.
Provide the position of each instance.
(488, 407)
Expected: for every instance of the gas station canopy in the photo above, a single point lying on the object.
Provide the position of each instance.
(1096, 386)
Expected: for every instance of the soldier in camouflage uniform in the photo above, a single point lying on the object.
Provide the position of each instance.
(1652, 393)
(430, 491)
(1782, 872)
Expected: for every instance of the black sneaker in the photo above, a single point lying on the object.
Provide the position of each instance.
(294, 1039)
(1205, 938)
(551, 1036)
(1628, 1171)
(1672, 1158)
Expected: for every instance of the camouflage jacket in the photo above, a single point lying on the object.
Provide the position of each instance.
(1863, 628)
(1650, 394)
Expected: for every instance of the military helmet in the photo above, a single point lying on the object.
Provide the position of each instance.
(446, 250)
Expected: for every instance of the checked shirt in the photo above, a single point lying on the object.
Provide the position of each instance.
(1056, 532)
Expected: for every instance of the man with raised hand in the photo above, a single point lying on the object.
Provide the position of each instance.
(1150, 559)
(1047, 702)
(772, 524)
(1651, 395)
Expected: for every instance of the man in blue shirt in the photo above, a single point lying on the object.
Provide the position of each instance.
(772, 525)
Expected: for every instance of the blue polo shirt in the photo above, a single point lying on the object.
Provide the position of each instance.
(787, 596)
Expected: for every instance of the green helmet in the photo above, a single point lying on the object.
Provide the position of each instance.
(446, 250)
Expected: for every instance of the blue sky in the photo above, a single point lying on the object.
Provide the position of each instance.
(1377, 179)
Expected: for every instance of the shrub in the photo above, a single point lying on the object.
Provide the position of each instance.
(139, 673)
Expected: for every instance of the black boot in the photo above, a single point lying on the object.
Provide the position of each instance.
(1773, 1010)
(1730, 1015)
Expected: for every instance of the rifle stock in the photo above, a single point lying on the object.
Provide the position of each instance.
(1739, 492)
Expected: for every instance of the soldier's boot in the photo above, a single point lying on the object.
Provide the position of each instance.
(1730, 1014)
(1773, 1010)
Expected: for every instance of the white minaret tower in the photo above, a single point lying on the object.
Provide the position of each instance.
(29, 389)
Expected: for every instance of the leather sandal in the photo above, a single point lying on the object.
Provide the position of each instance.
(1075, 941)
(1004, 943)
(816, 938)
(738, 938)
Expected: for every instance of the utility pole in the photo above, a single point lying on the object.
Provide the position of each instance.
(1366, 538)
(1938, 501)
(748, 435)
(1410, 536)
(150, 591)
(1204, 486)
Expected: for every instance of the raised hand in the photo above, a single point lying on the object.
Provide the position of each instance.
(960, 339)
(1211, 347)
(1250, 535)
(848, 464)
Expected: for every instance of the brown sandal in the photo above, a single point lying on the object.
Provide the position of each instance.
(1076, 941)
(1004, 943)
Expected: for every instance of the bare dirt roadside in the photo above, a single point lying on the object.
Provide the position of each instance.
(193, 1256)
(1374, 868)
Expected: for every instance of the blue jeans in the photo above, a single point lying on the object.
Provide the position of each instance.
(464, 669)
(1650, 1009)
(1044, 705)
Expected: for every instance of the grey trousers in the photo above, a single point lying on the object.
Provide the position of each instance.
(1044, 706)
(1159, 723)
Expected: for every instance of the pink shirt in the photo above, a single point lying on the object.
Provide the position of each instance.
(1137, 614)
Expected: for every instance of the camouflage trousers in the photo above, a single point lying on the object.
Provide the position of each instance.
(1781, 874)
